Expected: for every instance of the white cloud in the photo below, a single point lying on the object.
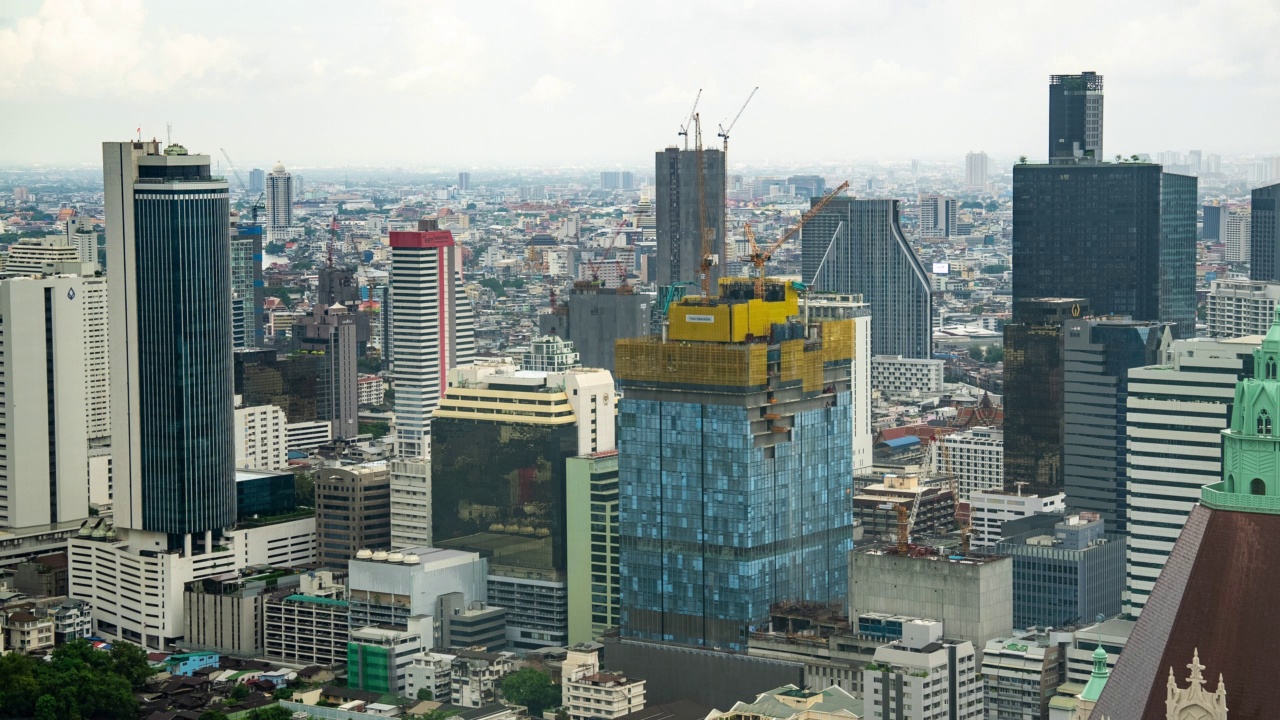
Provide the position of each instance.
(96, 47)
(548, 89)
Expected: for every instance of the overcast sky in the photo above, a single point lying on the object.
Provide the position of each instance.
(476, 83)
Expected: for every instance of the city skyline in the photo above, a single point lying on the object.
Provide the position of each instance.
(449, 81)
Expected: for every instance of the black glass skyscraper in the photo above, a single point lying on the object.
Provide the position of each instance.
(1121, 235)
(168, 243)
(1075, 117)
(857, 247)
(1264, 234)
(1033, 393)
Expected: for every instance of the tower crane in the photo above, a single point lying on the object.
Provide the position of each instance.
(257, 204)
(707, 234)
(684, 129)
(759, 257)
(724, 157)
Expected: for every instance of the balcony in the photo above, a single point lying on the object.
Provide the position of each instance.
(1215, 497)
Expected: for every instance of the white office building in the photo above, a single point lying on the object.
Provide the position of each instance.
(432, 325)
(1236, 233)
(830, 306)
(279, 201)
(410, 503)
(1238, 307)
(262, 440)
(923, 676)
(898, 376)
(974, 457)
(938, 215)
(1175, 413)
(307, 435)
(84, 238)
(990, 509)
(54, 392)
(976, 173)
(34, 256)
(134, 580)
(589, 692)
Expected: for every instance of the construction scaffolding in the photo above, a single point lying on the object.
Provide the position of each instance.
(727, 365)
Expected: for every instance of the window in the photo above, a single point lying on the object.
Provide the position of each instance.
(1271, 368)
(1257, 487)
(1264, 423)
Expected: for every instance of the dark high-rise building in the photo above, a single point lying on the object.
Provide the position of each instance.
(1075, 117)
(338, 286)
(1121, 235)
(594, 318)
(353, 511)
(1211, 222)
(330, 333)
(1264, 238)
(169, 245)
(500, 441)
(1097, 357)
(247, 286)
(675, 202)
(1033, 392)
(856, 247)
(464, 181)
(734, 456)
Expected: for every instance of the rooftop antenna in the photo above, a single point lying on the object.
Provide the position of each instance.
(168, 133)
(139, 133)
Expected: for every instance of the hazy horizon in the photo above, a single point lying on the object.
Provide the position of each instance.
(438, 85)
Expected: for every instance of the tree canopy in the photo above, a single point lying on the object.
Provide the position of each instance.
(79, 682)
(531, 688)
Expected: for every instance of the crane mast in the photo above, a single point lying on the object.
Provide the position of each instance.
(759, 257)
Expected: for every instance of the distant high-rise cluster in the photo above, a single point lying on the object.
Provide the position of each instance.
(617, 180)
(976, 172)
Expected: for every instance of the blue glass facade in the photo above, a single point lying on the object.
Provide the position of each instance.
(713, 530)
(184, 350)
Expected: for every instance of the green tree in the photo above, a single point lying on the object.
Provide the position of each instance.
(531, 688)
(282, 693)
(977, 310)
(239, 692)
(274, 248)
(493, 284)
(46, 708)
(994, 353)
(130, 662)
(19, 685)
(376, 428)
(304, 489)
(991, 206)
(278, 292)
(976, 353)
(213, 714)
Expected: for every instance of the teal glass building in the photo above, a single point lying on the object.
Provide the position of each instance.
(734, 461)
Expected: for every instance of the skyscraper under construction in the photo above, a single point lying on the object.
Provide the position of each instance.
(734, 455)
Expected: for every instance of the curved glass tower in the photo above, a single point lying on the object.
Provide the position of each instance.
(168, 248)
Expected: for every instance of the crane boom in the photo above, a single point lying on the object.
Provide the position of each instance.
(759, 257)
(724, 131)
(235, 172)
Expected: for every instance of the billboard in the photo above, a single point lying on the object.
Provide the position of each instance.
(942, 268)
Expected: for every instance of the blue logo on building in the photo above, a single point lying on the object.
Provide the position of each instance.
(71, 293)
